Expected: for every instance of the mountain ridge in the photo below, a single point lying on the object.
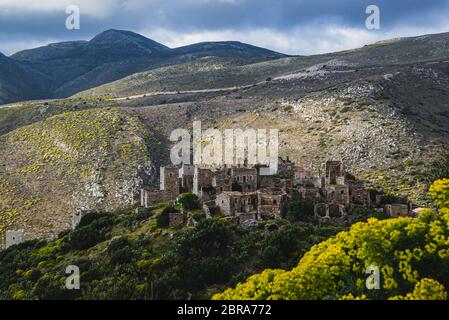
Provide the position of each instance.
(213, 74)
(67, 68)
(74, 66)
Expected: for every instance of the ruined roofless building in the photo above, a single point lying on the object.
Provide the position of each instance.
(271, 205)
(397, 210)
(234, 203)
(303, 176)
(222, 181)
(186, 176)
(203, 183)
(335, 173)
(244, 179)
(169, 188)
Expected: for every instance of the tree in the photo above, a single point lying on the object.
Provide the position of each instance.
(189, 201)
(300, 209)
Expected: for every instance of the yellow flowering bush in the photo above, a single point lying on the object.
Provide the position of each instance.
(426, 289)
(411, 254)
(439, 191)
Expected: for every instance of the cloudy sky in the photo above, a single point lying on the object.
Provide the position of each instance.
(288, 26)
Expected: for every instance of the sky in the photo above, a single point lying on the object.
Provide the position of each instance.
(297, 27)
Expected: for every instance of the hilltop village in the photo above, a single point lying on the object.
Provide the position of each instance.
(243, 196)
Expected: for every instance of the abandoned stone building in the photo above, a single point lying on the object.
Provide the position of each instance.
(271, 205)
(398, 210)
(238, 204)
(186, 177)
(241, 193)
(335, 173)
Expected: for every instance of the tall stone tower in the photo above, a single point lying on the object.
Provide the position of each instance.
(170, 180)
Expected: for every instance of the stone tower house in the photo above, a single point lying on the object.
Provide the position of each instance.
(170, 180)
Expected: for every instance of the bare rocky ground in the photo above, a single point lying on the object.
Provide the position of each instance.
(388, 124)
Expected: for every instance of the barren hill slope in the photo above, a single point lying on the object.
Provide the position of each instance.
(94, 159)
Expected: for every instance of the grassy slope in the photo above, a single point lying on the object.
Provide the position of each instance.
(16, 115)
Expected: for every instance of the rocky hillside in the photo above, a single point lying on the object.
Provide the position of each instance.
(15, 115)
(93, 159)
(387, 123)
(212, 73)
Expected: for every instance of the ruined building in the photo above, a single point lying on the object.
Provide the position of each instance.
(240, 193)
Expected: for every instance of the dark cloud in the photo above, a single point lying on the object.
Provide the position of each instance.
(19, 26)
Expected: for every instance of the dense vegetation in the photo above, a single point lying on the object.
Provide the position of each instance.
(411, 254)
(128, 256)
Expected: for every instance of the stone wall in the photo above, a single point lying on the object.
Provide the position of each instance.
(397, 210)
(14, 237)
(151, 197)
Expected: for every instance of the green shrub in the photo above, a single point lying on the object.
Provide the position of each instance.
(92, 230)
(142, 214)
(189, 201)
(198, 215)
(299, 209)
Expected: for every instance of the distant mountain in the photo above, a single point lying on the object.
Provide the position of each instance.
(124, 43)
(122, 62)
(225, 49)
(71, 67)
(20, 82)
(50, 52)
